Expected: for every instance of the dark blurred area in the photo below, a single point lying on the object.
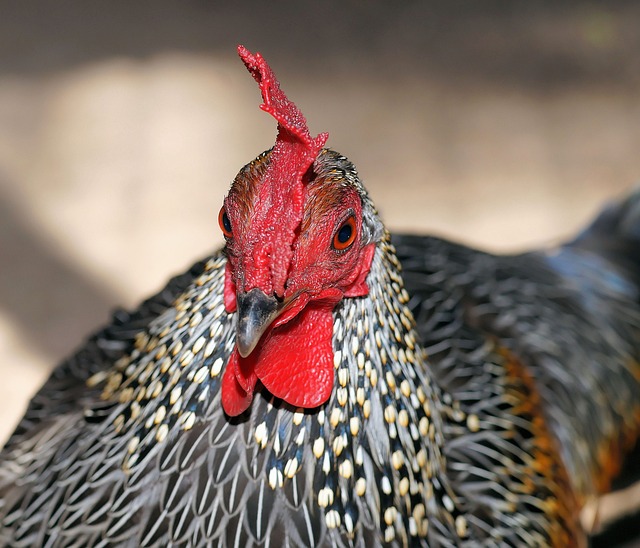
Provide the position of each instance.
(503, 124)
(547, 44)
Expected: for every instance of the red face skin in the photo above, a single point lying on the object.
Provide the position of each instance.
(294, 357)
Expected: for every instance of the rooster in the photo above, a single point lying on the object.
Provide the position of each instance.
(321, 383)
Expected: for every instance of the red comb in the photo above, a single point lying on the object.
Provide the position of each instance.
(276, 103)
(281, 195)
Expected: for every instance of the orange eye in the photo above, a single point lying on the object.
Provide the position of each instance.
(225, 223)
(345, 235)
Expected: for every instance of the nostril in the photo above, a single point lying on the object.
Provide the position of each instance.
(279, 298)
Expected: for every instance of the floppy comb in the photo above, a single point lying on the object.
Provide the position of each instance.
(278, 212)
(291, 121)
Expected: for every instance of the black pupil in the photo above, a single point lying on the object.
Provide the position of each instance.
(345, 233)
(226, 223)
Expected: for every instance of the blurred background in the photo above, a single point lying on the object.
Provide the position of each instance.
(499, 123)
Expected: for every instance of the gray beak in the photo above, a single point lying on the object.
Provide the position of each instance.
(256, 311)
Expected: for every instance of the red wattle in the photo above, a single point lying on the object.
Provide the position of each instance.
(294, 362)
(237, 386)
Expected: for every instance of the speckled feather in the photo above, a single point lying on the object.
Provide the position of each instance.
(481, 404)
(127, 443)
(574, 331)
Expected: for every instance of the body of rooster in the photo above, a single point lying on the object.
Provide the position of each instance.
(322, 383)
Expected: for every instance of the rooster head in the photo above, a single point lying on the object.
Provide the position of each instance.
(300, 236)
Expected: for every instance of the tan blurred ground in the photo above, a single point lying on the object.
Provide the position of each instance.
(122, 124)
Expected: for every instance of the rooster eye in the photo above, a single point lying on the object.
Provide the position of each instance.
(345, 235)
(225, 223)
